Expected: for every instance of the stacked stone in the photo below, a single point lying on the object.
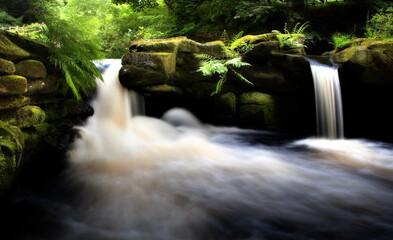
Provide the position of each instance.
(30, 105)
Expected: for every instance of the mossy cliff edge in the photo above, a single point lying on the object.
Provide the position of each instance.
(33, 113)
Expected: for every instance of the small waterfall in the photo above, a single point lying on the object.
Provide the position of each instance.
(327, 100)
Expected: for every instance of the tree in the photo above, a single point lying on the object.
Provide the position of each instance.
(138, 4)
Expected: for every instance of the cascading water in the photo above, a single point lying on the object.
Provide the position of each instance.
(143, 178)
(327, 100)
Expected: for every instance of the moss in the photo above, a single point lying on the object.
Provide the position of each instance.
(132, 76)
(24, 117)
(6, 67)
(13, 102)
(31, 69)
(161, 89)
(9, 50)
(158, 61)
(253, 39)
(169, 45)
(13, 85)
(256, 101)
(224, 105)
(37, 137)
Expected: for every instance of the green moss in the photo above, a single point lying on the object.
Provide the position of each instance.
(13, 85)
(13, 102)
(253, 39)
(31, 69)
(6, 67)
(9, 50)
(24, 117)
(158, 61)
(254, 102)
(161, 89)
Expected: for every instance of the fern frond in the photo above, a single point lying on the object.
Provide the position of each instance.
(236, 62)
(236, 37)
(220, 83)
(242, 77)
(209, 68)
(224, 37)
(204, 57)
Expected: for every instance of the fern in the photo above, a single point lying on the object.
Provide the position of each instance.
(210, 66)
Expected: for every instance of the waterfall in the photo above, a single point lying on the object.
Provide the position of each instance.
(327, 100)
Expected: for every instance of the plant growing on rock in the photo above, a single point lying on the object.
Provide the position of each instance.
(289, 39)
(210, 66)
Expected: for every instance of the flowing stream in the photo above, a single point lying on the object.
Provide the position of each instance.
(176, 178)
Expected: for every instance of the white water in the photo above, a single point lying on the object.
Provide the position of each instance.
(143, 178)
(327, 100)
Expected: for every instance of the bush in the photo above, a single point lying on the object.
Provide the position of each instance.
(381, 24)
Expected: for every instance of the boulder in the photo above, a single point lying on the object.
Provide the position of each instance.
(10, 50)
(12, 85)
(257, 108)
(13, 102)
(31, 69)
(6, 67)
(48, 85)
(24, 117)
(367, 61)
(11, 146)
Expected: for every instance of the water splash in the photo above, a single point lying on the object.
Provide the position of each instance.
(327, 100)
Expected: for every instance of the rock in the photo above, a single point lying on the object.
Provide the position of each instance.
(224, 105)
(162, 89)
(11, 146)
(158, 61)
(366, 61)
(134, 77)
(257, 108)
(48, 85)
(13, 85)
(6, 67)
(13, 102)
(10, 50)
(24, 117)
(169, 45)
(31, 69)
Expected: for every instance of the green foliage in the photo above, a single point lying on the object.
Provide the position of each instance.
(72, 32)
(341, 39)
(381, 24)
(138, 5)
(8, 20)
(288, 39)
(210, 66)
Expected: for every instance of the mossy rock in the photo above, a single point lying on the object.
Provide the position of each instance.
(24, 117)
(224, 105)
(6, 67)
(169, 45)
(31, 69)
(48, 85)
(254, 39)
(216, 48)
(259, 108)
(13, 85)
(13, 102)
(11, 146)
(36, 138)
(162, 89)
(133, 77)
(158, 61)
(10, 50)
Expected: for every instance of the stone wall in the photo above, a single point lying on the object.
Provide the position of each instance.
(33, 112)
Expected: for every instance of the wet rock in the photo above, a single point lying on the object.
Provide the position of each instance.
(31, 69)
(13, 85)
(6, 67)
